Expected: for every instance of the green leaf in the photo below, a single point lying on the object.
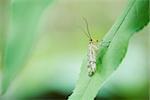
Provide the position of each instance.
(24, 17)
(3, 27)
(112, 49)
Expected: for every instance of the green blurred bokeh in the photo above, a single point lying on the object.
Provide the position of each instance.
(54, 64)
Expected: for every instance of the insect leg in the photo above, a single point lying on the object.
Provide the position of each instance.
(105, 43)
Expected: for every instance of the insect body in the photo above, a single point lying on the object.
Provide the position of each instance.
(92, 52)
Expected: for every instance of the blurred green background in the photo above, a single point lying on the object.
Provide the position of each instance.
(52, 68)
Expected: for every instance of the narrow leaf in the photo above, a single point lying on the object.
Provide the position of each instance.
(3, 26)
(4, 13)
(137, 18)
(24, 17)
(112, 49)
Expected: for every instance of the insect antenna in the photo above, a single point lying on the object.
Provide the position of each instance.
(85, 33)
(87, 27)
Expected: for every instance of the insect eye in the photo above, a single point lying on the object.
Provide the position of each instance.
(91, 40)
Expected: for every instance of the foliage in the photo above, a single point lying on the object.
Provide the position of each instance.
(22, 24)
(112, 49)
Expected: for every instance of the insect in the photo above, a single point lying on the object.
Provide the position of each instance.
(92, 51)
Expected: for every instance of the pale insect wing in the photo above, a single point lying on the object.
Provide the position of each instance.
(91, 58)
